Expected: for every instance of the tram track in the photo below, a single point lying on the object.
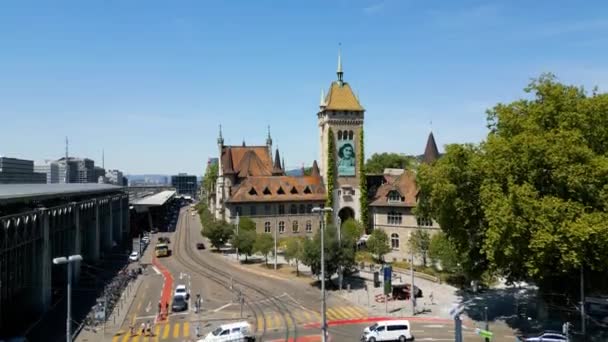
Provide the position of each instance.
(203, 267)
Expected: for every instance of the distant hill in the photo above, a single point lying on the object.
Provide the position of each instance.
(294, 172)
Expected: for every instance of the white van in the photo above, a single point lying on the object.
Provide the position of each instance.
(398, 330)
(240, 331)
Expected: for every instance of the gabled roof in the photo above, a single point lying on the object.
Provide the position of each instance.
(341, 97)
(242, 193)
(405, 184)
(246, 160)
(431, 153)
(315, 170)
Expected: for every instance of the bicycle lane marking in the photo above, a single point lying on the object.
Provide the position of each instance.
(165, 295)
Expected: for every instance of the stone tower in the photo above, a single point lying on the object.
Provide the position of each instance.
(341, 112)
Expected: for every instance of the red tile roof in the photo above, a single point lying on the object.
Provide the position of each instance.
(405, 184)
(246, 160)
(305, 188)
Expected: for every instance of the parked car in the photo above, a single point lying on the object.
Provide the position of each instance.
(398, 330)
(200, 245)
(547, 336)
(240, 331)
(181, 291)
(179, 304)
(134, 256)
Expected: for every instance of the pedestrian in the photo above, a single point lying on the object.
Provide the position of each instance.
(167, 308)
(132, 329)
(160, 307)
(148, 327)
(431, 298)
(143, 328)
(198, 330)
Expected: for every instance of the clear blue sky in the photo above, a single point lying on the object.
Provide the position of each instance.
(149, 81)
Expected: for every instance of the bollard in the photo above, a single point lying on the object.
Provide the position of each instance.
(348, 287)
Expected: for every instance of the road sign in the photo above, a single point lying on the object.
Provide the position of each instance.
(484, 333)
(388, 276)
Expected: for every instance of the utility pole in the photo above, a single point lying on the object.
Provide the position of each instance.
(321, 212)
(237, 234)
(276, 228)
(487, 323)
(69, 261)
(340, 271)
(413, 289)
(584, 328)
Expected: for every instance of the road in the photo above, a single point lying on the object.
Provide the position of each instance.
(278, 309)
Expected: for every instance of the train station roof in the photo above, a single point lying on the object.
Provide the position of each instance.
(27, 192)
(156, 199)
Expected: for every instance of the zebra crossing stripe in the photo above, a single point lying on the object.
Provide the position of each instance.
(186, 329)
(166, 331)
(176, 330)
(156, 333)
(351, 312)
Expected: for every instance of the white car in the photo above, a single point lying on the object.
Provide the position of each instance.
(548, 336)
(134, 256)
(181, 291)
(240, 331)
(397, 330)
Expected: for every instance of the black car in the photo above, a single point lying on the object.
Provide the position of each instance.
(200, 245)
(179, 304)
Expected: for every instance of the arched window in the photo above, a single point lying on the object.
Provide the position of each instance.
(281, 227)
(395, 241)
(294, 227)
(393, 218)
(425, 222)
(350, 135)
(339, 135)
(309, 226)
(266, 227)
(302, 209)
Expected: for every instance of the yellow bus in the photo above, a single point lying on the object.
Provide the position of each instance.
(161, 250)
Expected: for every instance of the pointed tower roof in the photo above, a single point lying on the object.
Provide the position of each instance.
(322, 103)
(315, 170)
(339, 71)
(220, 138)
(340, 95)
(276, 168)
(269, 139)
(431, 153)
(229, 167)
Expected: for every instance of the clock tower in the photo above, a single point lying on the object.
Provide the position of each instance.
(340, 120)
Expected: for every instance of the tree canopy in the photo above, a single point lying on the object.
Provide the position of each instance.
(420, 242)
(294, 250)
(264, 243)
(218, 233)
(531, 201)
(378, 244)
(336, 254)
(380, 161)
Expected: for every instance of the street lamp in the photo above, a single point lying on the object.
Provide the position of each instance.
(69, 260)
(321, 212)
(340, 271)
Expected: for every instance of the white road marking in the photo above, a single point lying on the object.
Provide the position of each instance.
(434, 339)
(434, 326)
(149, 306)
(222, 307)
(155, 269)
(145, 317)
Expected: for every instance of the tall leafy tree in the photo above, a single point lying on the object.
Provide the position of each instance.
(336, 253)
(378, 244)
(218, 233)
(420, 242)
(294, 250)
(363, 200)
(264, 243)
(352, 230)
(244, 241)
(442, 251)
(380, 161)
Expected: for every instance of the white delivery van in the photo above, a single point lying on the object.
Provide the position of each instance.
(398, 330)
(240, 331)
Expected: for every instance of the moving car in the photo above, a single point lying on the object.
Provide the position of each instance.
(162, 250)
(181, 291)
(200, 245)
(179, 304)
(134, 256)
(398, 330)
(547, 336)
(240, 331)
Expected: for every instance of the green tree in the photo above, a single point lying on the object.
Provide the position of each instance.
(308, 171)
(210, 177)
(336, 254)
(244, 240)
(378, 244)
(218, 233)
(420, 242)
(331, 167)
(442, 251)
(352, 230)
(380, 161)
(264, 243)
(363, 200)
(245, 223)
(294, 250)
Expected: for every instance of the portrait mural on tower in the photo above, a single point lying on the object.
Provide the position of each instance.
(346, 158)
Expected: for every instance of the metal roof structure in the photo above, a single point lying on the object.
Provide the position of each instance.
(24, 192)
(156, 199)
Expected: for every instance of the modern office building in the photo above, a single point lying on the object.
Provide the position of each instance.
(99, 172)
(50, 168)
(19, 171)
(114, 177)
(80, 170)
(185, 184)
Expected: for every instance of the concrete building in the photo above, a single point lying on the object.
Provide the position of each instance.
(185, 184)
(50, 168)
(99, 174)
(114, 177)
(44, 221)
(19, 171)
(393, 204)
(80, 170)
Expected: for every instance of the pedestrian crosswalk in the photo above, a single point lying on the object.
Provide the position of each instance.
(159, 333)
(275, 320)
(269, 321)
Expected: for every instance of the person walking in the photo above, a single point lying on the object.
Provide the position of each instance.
(431, 298)
(148, 327)
(132, 329)
(143, 328)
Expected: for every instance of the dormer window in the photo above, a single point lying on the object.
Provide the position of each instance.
(281, 191)
(266, 191)
(307, 190)
(252, 192)
(394, 196)
(294, 191)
